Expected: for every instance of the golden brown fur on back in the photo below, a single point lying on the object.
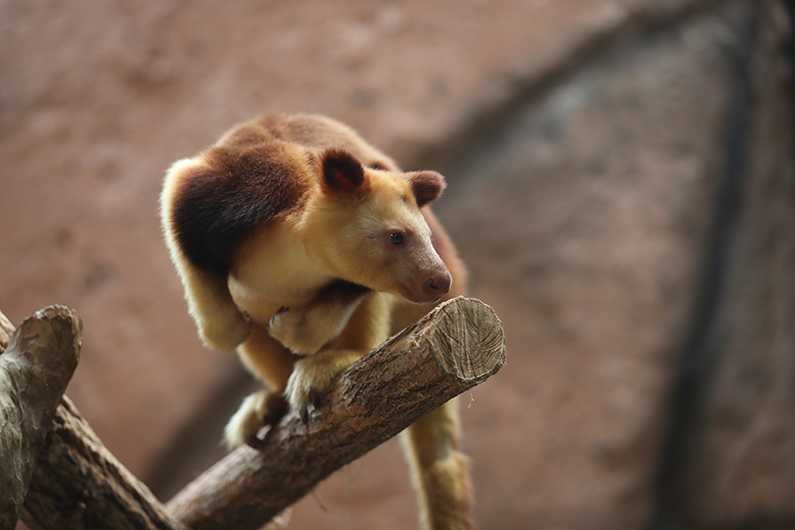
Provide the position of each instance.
(304, 247)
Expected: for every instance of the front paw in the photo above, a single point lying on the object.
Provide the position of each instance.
(292, 328)
(227, 333)
(314, 376)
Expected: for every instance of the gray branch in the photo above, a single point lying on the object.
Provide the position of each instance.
(37, 364)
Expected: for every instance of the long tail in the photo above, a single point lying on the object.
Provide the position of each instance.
(439, 470)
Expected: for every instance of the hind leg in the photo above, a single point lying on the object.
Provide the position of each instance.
(272, 363)
(440, 472)
(261, 408)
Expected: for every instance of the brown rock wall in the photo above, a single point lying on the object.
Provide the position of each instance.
(96, 100)
(584, 143)
(584, 217)
(743, 464)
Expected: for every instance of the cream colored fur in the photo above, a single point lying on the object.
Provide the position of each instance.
(288, 263)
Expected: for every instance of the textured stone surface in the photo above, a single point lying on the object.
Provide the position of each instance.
(583, 217)
(583, 142)
(743, 466)
(96, 100)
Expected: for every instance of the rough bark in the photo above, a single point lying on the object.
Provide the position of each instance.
(38, 362)
(79, 484)
(455, 347)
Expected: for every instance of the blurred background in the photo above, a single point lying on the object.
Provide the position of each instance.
(620, 184)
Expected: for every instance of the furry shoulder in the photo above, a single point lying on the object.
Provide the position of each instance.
(213, 201)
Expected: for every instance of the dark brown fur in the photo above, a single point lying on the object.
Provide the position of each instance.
(239, 219)
(218, 207)
(427, 186)
(343, 173)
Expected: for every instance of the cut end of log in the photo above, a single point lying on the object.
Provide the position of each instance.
(467, 326)
(69, 317)
(6, 330)
(47, 334)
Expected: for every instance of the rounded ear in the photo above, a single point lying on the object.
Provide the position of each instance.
(341, 171)
(427, 186)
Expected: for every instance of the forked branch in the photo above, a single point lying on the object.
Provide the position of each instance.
(38, 362)
(79, 484)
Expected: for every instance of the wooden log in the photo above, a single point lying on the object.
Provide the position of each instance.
(6, 330)
(37, 364)
(79, 484)
(71, 479)
(455, 347)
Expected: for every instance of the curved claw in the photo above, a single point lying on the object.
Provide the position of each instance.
(255, 442)
(315, 398)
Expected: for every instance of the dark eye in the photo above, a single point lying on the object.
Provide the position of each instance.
(396, 238)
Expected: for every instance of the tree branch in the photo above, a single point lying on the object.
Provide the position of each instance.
(455, 347)
(78, 483)
(38, 362)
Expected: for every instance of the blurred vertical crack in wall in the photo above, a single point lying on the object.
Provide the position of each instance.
(704, 343)
(621, 187)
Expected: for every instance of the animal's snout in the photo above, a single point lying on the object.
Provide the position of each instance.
(438, 285)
